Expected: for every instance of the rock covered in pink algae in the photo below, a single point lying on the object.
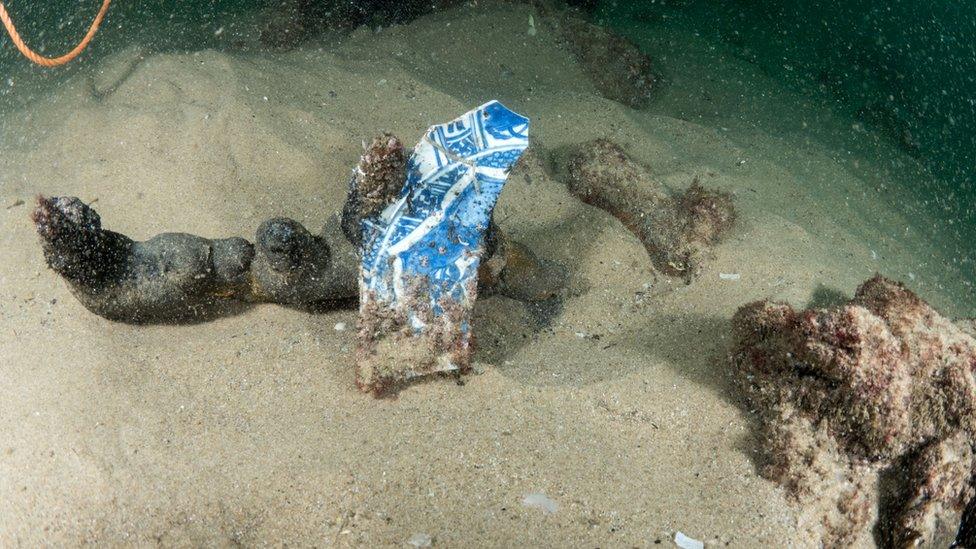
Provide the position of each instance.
(883, 385)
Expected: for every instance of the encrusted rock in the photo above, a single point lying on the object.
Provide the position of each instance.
(883, 385)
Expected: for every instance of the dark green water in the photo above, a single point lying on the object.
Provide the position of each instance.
(906, 70)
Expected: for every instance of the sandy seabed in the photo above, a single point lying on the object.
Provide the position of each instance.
(249, 428)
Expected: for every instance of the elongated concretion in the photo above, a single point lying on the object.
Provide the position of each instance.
(179, 276)
(678, 230)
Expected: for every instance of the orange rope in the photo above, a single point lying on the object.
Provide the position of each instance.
(51, 61)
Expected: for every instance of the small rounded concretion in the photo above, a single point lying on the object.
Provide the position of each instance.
(285, 242)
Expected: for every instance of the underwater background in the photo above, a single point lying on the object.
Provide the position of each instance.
(843, 133)
(904, 69)
(901, 72)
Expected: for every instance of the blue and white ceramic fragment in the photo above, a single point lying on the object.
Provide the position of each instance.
(420, 255)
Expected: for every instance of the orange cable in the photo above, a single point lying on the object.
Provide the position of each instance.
(51, 61)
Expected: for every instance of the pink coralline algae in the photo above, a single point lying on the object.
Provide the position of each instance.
(868, 413)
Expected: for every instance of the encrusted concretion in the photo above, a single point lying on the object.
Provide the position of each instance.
(619, 70)
(883, 385)
(677, 230)
(180, 277)
(376, 182)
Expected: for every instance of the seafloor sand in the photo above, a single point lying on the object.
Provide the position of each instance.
(249, 429)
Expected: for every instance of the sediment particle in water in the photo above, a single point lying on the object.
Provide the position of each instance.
(882, 386)
(677, 230)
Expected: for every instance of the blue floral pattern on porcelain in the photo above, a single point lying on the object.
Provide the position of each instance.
(435, 231)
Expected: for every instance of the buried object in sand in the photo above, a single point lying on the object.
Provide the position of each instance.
(421, 253)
